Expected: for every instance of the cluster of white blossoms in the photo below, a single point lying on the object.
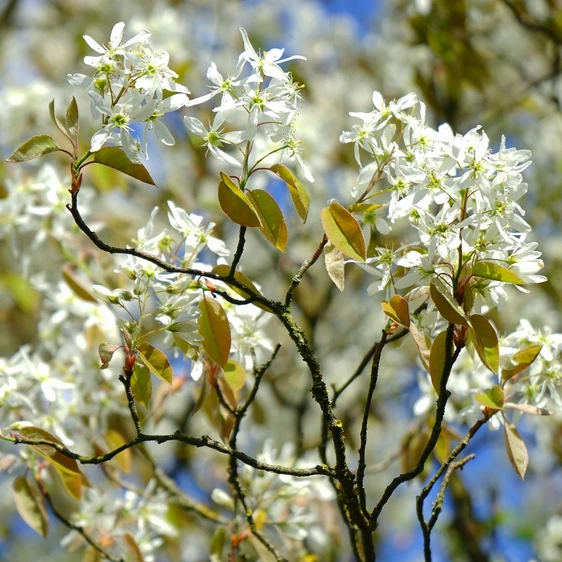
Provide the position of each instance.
(258, 109)
(128, 87)
(459, 197)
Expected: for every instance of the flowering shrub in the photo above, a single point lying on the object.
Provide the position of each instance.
(447, 240)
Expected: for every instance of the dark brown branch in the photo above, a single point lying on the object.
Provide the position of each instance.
(239, 251)
(302, 270)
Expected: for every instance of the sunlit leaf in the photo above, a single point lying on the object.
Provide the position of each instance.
(343, 231)
(516, 450)
(215, 330)
(423, 344)
(299, 195)
(492, 398)
(273, 225)
(30, 504)
(32, 148)
(490, 270)
(235, 375)
(363, 207)
(236, 205)
(141, 385)
(78, 286)
(485, 341)
(114, 157)
(446, 304)
(398, 310)
(335, 265)
(114, 440)
(523, 359)
(156, 361)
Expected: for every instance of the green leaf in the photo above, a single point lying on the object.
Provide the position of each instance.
(217, 544)
(35, 147)
(438, 360)
(72, 121)
(299, 195)
(492, 399)
(273, 225)
(72, 483)
(141, 385)
(496, 272)
(58, 123)
(398, 310)
(106, 351)
(215, 330)
(423, 344)
(516, 450)
(56, 458)
(236, 205)
(363, 207)
(335, 265)
(343, 231)
(223, 270)
(485, 341)
(446, 304)
(156, 362)
(30, 504)
(235, 375)
(523, 359)
(114, 157)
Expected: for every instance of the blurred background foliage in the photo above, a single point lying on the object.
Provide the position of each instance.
(495, 63)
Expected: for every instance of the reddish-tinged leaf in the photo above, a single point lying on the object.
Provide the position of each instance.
(438, 360)
(490, 270)
(398, 310)
(273, 225)
(335, 265)
(299, 195)
(215, 330)
(235, 375)
(156, 362)
(516, 450)
(343, 231)
(114, 157)
(423, 344)
(446, 304)
(236, 205)
(30, 504)
(32, 148)
(529, 409)
(106, 351)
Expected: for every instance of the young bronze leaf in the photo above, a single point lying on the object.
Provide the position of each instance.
(114, 157)
(335, 265)
(134, 553)
(446, 304)
(438, 360)
(224, 269)
(343, 231)
(141, 384)
(523, 359)
(156, 362)
(215, 330)
(273, 225)
(32, 148)
(56, 458)
(516, 450)
(485, 342)
(490, 270)
(235, 375)
(401, 308)
(422, 343)
(31, 505)
(299, 195)
(236, 205)
(106, 351)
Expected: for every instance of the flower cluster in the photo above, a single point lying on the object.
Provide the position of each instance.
(459, 197)
(266, 101)
(127, 87)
